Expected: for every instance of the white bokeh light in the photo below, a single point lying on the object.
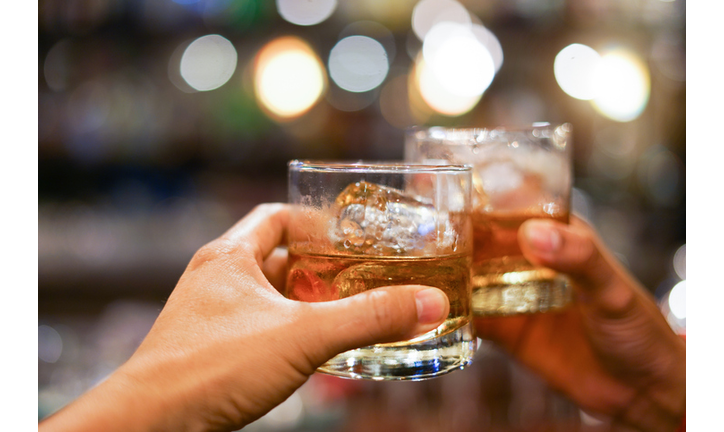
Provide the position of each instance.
(574, 69)
(50, 344)
(307, 12)
(288, 77)
(428, 13)
(622, 86)
(358, 64)
(490, 42)
(57, 69)
(677, 300)
(437, 96)
(208, 62)
(680, 262)
(460, 62)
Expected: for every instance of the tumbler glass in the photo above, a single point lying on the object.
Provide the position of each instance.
(518, 174)
(358, 226)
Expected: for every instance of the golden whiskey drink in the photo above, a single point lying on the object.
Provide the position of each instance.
(518, 174)
(357, 227)
(314, 278)
(504, 282)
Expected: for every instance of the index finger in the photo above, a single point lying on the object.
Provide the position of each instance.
(264, 228)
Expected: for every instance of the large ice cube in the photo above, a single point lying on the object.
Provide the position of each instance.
(499, 178)
(378, 220)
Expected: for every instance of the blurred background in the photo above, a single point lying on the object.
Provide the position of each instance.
(162, 122)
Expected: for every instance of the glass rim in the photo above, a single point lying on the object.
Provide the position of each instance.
(536, 126)
(397, 167)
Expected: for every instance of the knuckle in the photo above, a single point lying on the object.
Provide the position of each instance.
(267, 208)
(212, 251)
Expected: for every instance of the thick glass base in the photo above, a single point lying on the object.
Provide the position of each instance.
(532, 291)
(414, 360)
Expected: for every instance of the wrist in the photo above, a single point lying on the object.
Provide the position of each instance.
(158, 400)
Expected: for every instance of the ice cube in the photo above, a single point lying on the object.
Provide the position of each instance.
(378, 220)
(502, 177)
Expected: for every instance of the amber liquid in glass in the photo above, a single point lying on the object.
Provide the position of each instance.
(504, 282)
(316, 277)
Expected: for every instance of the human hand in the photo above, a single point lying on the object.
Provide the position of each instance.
(228, 347)
(612, 352)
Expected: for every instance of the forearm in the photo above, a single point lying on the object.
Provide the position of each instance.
(117, 404)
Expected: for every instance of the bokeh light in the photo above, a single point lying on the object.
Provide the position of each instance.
(574, 69)
(460, 63)
(306, 13)
(288, 77)
(174, 68)
(437, 96)
(208, 62)
(50, 344)
(490, 42)
(428, 13)
(375, 31)
(57, 67)
(358, 63)
(622, 86)
(680, 262)
(677, 300)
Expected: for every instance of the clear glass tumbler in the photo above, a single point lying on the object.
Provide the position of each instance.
(358, 226)
(518, 174)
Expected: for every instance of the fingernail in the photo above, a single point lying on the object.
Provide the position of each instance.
(543, 237)
(430, 305)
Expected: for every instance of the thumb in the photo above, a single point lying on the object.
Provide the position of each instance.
(574, 249)
(380, 315)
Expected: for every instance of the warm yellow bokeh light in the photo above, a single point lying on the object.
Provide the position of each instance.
(437, 96)
(289, 78)
(622, 86)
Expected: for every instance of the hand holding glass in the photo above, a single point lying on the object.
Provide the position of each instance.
(518, 174)
(359, 226)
